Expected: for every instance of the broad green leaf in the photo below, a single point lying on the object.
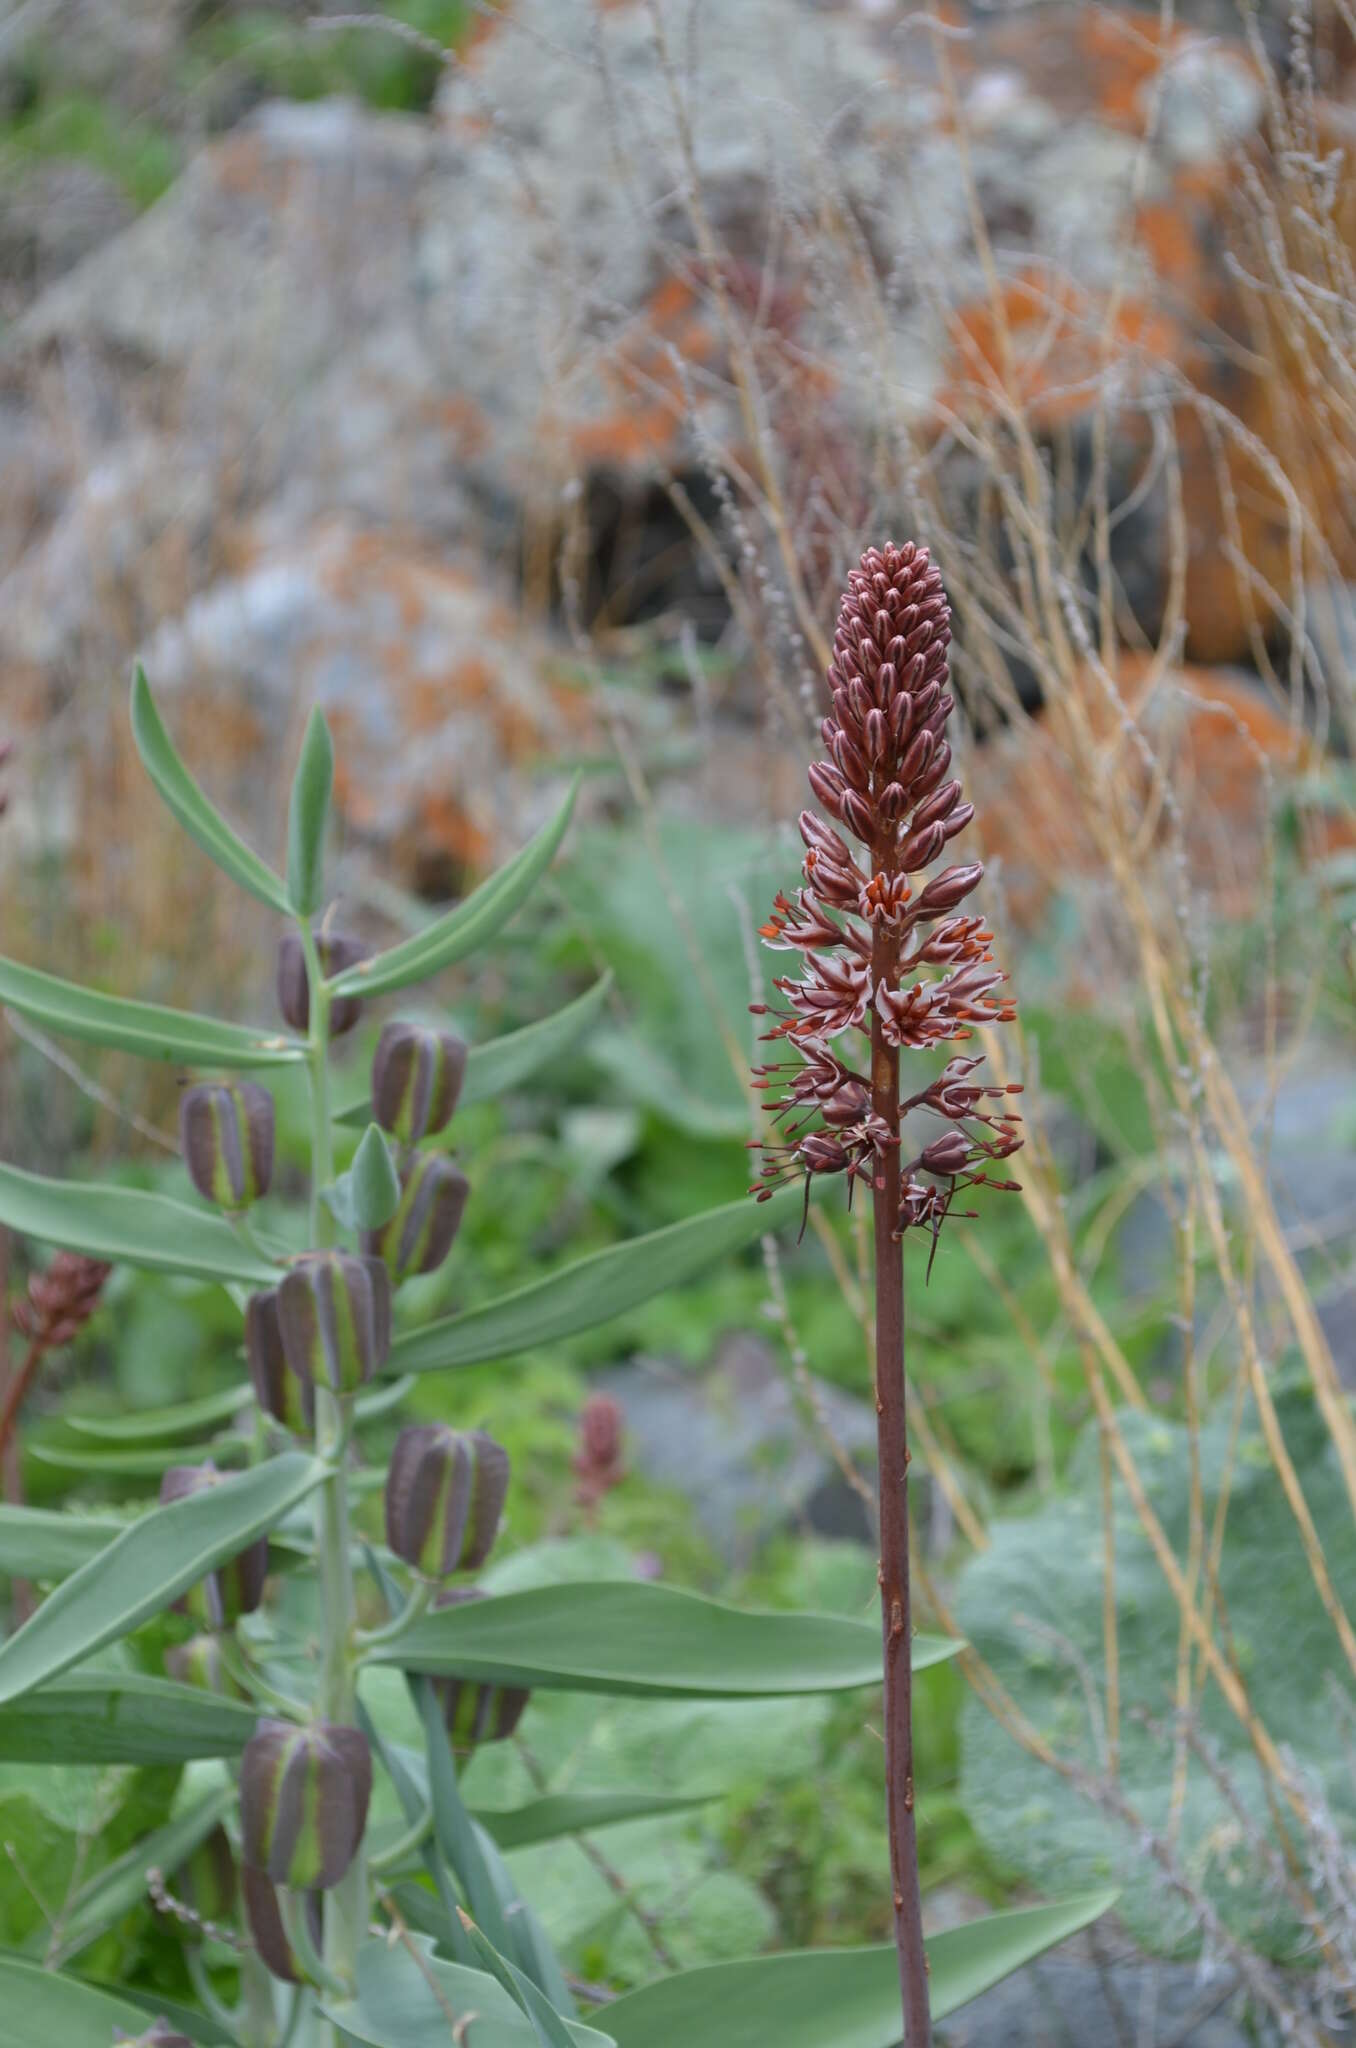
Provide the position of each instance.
(157, 1425)
(121, 1717)
(148, 1029)
(40, 2006)
(39, 1543)
(121, 1886)
(308, 815)
(129, 1228)
(630, 1637)
(146, 1462)
(578, 1813)
(465, 929)
(199, 818)
(148, 1566)
(593, 1290)
(837, 1998)
(501, 1063)
(402, 2003)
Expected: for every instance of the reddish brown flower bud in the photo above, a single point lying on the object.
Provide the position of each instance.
(597, 1462)
(264, 1915)
(951, 887)
(445, 1495)
(416, 1079)
(420, 1234)
(280, 1392)
(234, 1588)
(304, 1794)
(334, 1311)
(337, 952)
(226, 1135)
(58, 1303)
(948, 1154)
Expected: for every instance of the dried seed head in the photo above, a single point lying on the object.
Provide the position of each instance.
(337, 952)
(474, 1712)
(416, 1079)
(226, 1134)
(233, 1588)
(419, 1236)
(445, 1495)
(334, 1312)
(59, 1302)
(264, 1915)
(279, 1391)
(304, 1793)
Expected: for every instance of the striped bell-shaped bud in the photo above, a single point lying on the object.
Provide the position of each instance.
(279, 1391)
(199, 1662)
(337, 952)
(226, 1132)
(334, 1311)
(428, 1216)
(264, 1914)
(233, 1588)
(160, 2034)
(444, 1497)
(474, 1712)
(303, 1801)
(416, 1079)
(207, 1881)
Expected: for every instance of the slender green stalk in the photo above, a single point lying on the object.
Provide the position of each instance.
(260, 2028)
(346, 1904)
(404, 1845)
(416, 1605)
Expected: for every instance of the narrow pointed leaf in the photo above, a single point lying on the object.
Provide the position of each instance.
(162, 1425)
(145, 1461)
(374, 1181)
(502, 1063)
(199, 818)
(548, 2026)
(557, 1814)
(452, 1826)
(121, 1717)
(147, 1029)
(593, 1290)
(847, 1997)
(308, 815)
(39, 1543)
(148, 1566)
(465, 929)
(634, 1638)
(128, 1227)
(121, 1886)
(43, 2006)
(402, 2003)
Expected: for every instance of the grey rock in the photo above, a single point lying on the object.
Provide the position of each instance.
(1063, 2001)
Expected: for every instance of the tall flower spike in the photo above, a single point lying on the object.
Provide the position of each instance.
(887, 954)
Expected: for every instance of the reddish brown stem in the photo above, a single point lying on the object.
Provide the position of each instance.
(16, 1392)
(893, 1442)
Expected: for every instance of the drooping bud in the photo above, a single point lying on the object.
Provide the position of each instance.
(226, 1134)
(419, 1236)
(337, 952)
(303, 1801)
(160, 2034)
(279, 1391)
(233, 1588)
(334, 1311)
(199, 1662)
(416, 1079)
(264, 1914)
(444, 1496)
(474, 1712)
(207, 1878)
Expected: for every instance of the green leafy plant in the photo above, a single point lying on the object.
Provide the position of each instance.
(330, 1881)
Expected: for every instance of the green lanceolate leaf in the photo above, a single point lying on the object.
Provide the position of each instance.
(373, 1180)
(308, 815)
(128, 1227)
(463, 930)
(633, 1638)
(548, 2026)
(42, 2006)
(578, 1813)
(147, 1567)
(847, 1997)
(453, 1828)
(121, 1717)
(38, 1543)
(148, 1461)
(402, 2003)
(162, 1425)
(121, 1886)
(592, 1291)
(503, 1063)
(148, 1029)
(199, 818)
